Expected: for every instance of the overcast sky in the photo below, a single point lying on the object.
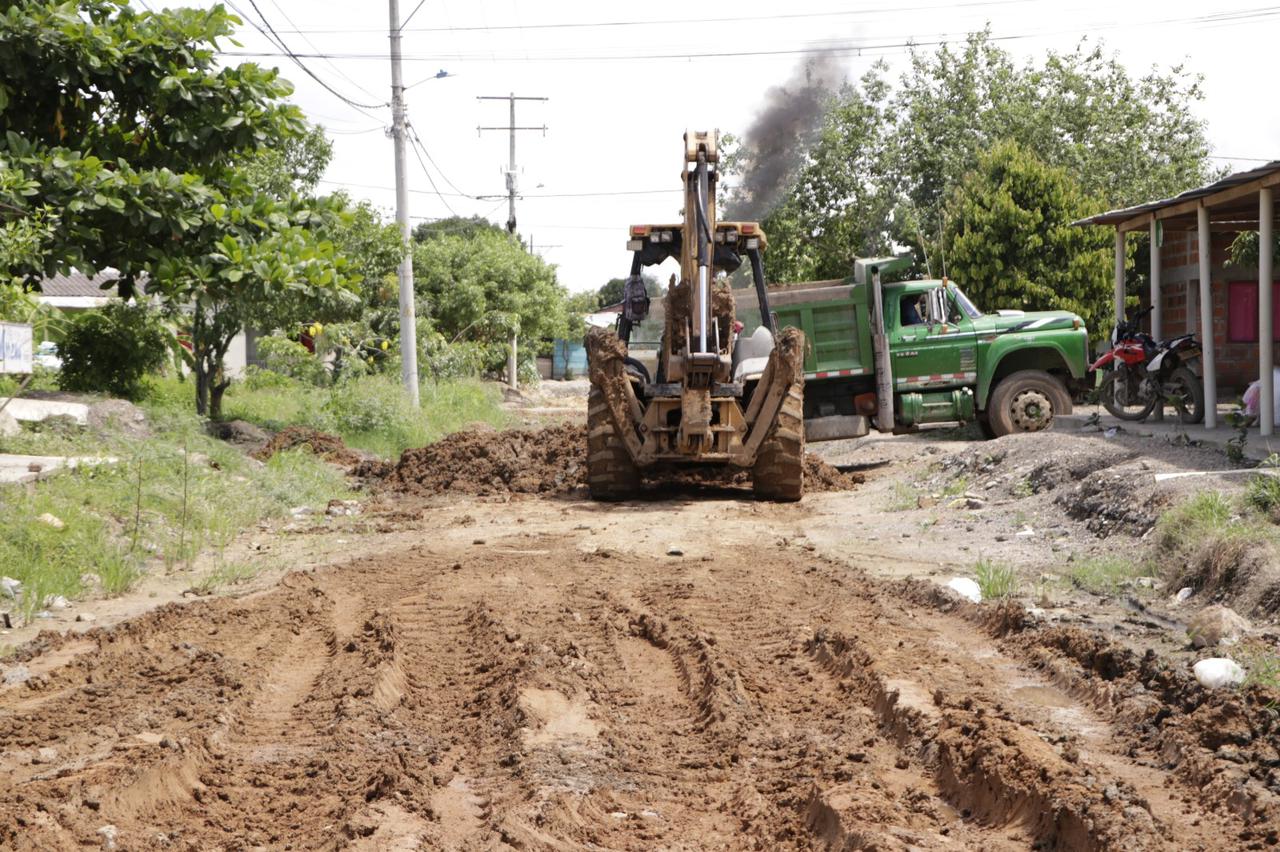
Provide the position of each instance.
(625, 80)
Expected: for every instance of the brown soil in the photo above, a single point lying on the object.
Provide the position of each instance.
(520, 688)
(323, 444)
(514, 461)
(541, 461)
(678, 312)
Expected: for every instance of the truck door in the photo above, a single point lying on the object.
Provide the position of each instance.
(931, 340)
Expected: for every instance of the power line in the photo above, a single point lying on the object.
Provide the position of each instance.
(591, 194)
(418, 141)
(271, 36)
(685, 21)
(836, 49)
(281, 10)
(431, 180)
(411, 14)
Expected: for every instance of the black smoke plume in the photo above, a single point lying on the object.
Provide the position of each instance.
(774, 146)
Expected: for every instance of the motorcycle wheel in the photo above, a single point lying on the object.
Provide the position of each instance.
(1127, 394)
(1186, 394)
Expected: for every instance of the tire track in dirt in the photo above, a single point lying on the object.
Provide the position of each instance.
(533, 696)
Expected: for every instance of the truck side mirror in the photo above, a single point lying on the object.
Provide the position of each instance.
(937, 306)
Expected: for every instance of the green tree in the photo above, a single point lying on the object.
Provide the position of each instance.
(483, 286)
(888, 156)
(127, 125)
(454, 226)
(1011, 242)
(610, 293)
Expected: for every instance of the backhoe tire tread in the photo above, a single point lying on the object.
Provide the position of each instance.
(778, 473)
(611, 472)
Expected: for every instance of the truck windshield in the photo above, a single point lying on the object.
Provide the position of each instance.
(965, 305)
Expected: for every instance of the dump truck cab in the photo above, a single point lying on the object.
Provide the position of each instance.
(945, 359)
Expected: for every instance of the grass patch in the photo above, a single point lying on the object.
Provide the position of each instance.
(1261, 663)
(371, 413)
(1262, 494)
(956, 487)
(227, 574)
(996, 580)
(1107, 575)
(1208, 543)
(167, 499)
(904, 497)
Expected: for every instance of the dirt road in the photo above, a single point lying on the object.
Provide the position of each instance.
(546, 673)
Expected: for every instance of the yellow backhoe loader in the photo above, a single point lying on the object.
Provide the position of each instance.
(717, 397)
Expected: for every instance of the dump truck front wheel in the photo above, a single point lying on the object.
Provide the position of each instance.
(778, 473)
(611, 472)
(1026, 401)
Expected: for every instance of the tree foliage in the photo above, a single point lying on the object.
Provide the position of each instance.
(113, 349)
(161, 161)
(1011, 242)
(889, 156)
(485, 286)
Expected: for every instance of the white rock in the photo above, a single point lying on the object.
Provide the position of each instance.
(86, 616)
(16, 674)
(675, 550)
(51, 520)
(56, 602)
(1217, 672)
(966, 588)
(301, 511)
(1025, 532)
(9, 427)
(1183, 594)
(10, 587)
(109, 834)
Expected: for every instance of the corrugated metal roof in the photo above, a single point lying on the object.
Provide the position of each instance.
(77, 284)
(1112, 217)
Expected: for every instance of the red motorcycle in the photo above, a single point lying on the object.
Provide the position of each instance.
(1143, 372)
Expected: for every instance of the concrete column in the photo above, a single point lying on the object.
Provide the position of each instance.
(1266, 400)
(1206, 319)
(1157, 304)
(1119, 276)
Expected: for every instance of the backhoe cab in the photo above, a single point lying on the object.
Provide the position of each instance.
(700, 407)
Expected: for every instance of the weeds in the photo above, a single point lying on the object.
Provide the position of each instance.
(904, 498)
(1261, 663)
(956, 487)
(1107, 575)
(996, 580)
(227, 574)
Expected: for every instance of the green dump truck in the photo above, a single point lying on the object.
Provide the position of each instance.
(914, 353)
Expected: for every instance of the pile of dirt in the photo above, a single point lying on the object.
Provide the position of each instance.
(542, 461)
(514, 461)
(820, 476)
(329, 447)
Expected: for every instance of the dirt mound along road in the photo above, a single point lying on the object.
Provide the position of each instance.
(530, 694)
(329, 447)
(541, 461)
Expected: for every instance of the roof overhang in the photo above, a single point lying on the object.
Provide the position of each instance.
(1230, 203)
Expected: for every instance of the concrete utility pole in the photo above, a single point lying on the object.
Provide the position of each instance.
(511, 162)
(408, 322)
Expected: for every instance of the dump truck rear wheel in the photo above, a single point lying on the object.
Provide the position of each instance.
(1026, 401)
(611, 472)
(778, 473)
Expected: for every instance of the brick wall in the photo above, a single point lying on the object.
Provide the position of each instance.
(1237, 363)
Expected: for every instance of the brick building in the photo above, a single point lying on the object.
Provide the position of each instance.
(1194, 232)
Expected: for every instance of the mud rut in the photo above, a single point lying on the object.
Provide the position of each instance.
(534, 696)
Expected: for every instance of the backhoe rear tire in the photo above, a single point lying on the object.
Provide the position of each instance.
(778, 473)
(611, 472)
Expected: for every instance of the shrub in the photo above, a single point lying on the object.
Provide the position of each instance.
(290, 358)
(1263, 493)
(369, 406)
(113, 349)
